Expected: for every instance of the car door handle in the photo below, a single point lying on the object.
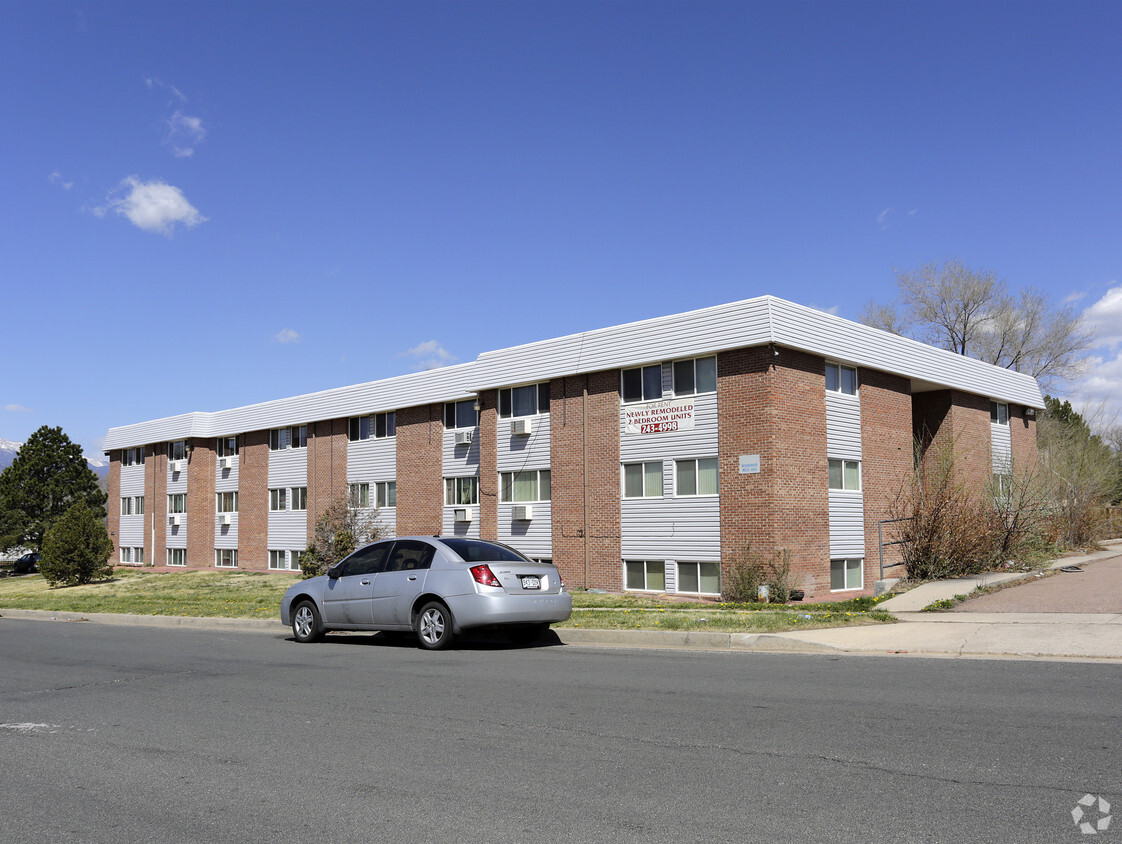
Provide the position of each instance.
(366, 583)
(412, 577)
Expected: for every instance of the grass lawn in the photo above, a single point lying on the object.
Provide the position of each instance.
(258, 595)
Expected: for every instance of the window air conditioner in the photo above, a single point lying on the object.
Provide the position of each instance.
(175, 466)
(464, 437)
(173, 519)
(522, 513)
(521, 427)
(224, 518)
(225, 462)
(463, 514)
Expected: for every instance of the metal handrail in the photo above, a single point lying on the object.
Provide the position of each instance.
(882, 543)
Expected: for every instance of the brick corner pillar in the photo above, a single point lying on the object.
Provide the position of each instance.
(200, 504)
(420, 472)
(156, 505)
(489, 465)
(584, 479)
(113, 502)
(952, 425)
(1022, 432)
(253, 501)
(327, 467)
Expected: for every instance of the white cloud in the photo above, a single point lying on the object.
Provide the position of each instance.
(185, 132)
(152, 206)
(1104, 318)
(429, 355)
(17, 408)
(1101, 386)
(286, 335)
(56, 179)
(882, 218)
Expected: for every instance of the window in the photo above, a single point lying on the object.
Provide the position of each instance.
(126, 555)
(138, 505)
(284, 560)
(845, 474)
(999, 413)
(226, 446)
(642, 480)
(703, 578)
(177, 450)
(132, 456)
(846, 574)
(460, 414)
(458, 491)
(648, 575)
(1002, 487)
(226, 502)
(226, 558)
(532, 485)
(132, 555)
(841, 379)
(278, 499)
(138, 555)
(295, 436)
(299, 499)
(177, 503)
(360, 495)
(126, 506)
(643, 383)
(380, 425)
(528, 400)
(695, 376)
(385, 493)
(697, 477)
(177, 556)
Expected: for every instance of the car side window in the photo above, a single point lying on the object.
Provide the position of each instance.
(410, 554)
(368, 560)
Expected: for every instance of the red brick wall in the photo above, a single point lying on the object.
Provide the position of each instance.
(584, 421)
(956, 423)
(253, 501)
(420, 462)
(1022, 430)
(488, 466)
(327, 467)
(887, 455)
(113, 505)
(156, 503)
(200, 504)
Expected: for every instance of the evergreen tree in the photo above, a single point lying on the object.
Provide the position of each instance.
(76, 548)
(47, 476)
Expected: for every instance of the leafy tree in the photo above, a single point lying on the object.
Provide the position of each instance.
(76, 548)
(339, 530)
(48, 475)
(973, 313)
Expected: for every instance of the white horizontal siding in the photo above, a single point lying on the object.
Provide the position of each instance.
(843, 426)
(847, 524)
(460, 460)
(177, 534)
(1002, 449)
(687, 528)
(288, 529)
(372, 460)
(515, 453)
(226, 480)
(288, 467)
(450, 527)
(533, 538)
(130, 533)
(700, 441)
(132, 480)
(226, 536)
(176, 483)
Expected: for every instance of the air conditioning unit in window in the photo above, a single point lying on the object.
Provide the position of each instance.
(463, 514)
(225, 462)
(175, 466)
(521, 427)
(464, 437)
(173, 519)
(224, 519)
(522, 513)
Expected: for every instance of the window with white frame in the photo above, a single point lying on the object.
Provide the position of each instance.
(527, 400)
(460, 491)
(299, 498)
(642, 480)
(645, 575)
(226, 558)
(132, 555)
(527, 486)
(847, 574)
(700, 578)
(126, 554)
(278, 499)
(999, 413)
(385, 493)
(177, 502)
(695, 376)
(377, 425)
(138, 505)
(226, 446)
(132, 505)
(177, 556)
(177, 450)
(126, 505)
(359, 495)
(845, 474)
(643, 383)
(841, 379)
(281, 560)
(226, 502)
(294, 436)
(460, 414)
(1002, 486)
(132, 456)
(696, 476)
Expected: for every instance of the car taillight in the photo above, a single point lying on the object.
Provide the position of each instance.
(484, 575)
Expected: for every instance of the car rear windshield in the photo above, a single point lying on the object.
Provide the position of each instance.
(477, 550)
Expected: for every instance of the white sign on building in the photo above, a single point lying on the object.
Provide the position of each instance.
(659, 417)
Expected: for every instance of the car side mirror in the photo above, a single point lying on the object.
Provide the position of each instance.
(334, 573)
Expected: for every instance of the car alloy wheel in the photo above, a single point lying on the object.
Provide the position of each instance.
(434, 626)
(305, 623)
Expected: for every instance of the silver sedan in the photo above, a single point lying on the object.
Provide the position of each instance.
(435, 586)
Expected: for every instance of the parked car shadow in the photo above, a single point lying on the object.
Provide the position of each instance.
(481, 640)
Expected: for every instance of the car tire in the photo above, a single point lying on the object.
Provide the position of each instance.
(434, 626)
(525, 634)
(305, 622)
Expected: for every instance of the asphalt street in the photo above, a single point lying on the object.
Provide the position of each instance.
(116, 733)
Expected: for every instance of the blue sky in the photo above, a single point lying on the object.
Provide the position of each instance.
(213, 204)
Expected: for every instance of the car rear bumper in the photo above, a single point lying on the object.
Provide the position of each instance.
(481, 610)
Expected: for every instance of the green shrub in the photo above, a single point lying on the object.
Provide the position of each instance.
(746, 574)
(76, 549)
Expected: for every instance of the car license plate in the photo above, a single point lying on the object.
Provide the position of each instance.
(529, 582)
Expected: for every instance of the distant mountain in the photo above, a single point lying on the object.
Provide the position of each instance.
(9, 450)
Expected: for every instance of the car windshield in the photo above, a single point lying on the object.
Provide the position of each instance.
(477, 550)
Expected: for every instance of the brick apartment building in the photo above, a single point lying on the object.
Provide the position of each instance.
(642, 456)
